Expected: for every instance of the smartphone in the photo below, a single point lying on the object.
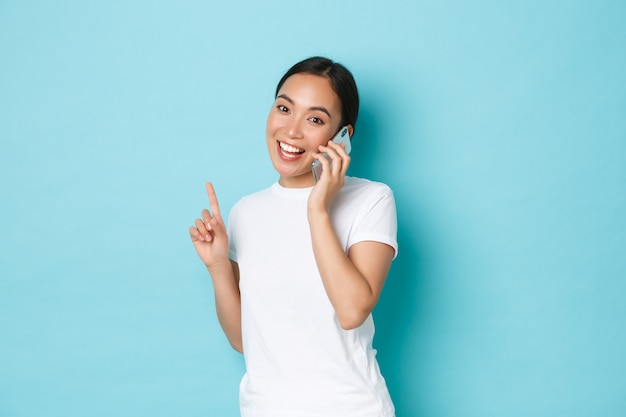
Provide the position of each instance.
(341, 137)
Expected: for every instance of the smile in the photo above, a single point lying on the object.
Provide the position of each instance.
(289, 152)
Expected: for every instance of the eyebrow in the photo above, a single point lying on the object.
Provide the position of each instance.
(319, 108)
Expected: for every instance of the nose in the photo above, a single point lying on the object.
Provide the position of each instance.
(294, 129)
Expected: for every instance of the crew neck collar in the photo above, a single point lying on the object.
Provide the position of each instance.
(291, 192)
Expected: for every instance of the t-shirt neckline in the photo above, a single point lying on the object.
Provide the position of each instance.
(295, 193)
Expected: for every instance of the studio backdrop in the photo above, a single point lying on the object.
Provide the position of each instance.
(499, 125)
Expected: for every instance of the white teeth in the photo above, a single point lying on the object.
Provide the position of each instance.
(288, 148)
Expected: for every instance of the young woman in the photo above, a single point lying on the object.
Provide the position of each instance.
(302, 264)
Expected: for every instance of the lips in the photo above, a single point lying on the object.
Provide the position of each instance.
(289, 152)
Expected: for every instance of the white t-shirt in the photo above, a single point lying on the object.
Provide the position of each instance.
(299, 361)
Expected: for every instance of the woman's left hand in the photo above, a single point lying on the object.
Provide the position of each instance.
(332, 178)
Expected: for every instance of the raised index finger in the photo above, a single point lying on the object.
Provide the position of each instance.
(215, 207)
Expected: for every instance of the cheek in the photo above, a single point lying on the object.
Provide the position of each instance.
(274, 121)
(317, 140)
(321, 136)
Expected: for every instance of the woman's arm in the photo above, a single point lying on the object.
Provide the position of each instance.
(228, 301)
(210, 239)
(353, 282)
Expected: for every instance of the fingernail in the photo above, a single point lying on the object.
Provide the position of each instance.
(207, 238)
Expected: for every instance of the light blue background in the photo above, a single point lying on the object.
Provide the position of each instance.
(501, 127)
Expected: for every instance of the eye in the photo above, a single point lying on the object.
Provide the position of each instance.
(282, 109)
(317, 120)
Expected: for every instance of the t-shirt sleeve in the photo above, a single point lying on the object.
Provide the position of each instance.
(232, 233)
(378, 221)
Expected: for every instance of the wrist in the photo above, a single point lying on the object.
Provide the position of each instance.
(218, 268)
(317, 214)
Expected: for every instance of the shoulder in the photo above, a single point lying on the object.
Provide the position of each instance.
(255, 197)
(251, 200)
(360, 195)
(368, 210)
(363, 188)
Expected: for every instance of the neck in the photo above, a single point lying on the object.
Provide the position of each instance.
(301, 181)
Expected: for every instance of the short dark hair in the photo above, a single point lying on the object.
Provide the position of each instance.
(340, 79)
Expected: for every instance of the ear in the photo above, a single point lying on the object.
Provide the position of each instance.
(350, 130)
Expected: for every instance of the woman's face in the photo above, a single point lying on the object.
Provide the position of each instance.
(305, 115)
